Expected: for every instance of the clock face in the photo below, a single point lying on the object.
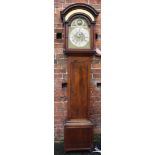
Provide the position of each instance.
(79, 37)
(79, 34)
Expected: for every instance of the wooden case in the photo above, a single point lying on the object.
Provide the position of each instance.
(78, 130)
(78, 135)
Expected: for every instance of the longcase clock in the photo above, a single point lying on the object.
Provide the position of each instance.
(79, 23)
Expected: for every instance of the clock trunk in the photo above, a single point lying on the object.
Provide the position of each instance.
(78, 130)
(78, 88)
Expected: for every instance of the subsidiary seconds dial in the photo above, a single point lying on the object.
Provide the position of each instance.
(79, 37)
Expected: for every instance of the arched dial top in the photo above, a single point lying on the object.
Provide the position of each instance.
(79, 34)
(79, 28)
(79, 8)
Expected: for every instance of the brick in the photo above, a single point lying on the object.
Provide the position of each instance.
(96, 71)
(59, 1)
(98, 31)
(98, 26)
(57, 4)
(58, 50)
(97, 58)
(98, 19)
(59, 76)
(57, 66)
(59, 118)
(59, 112)
(57, 19)
(96, 66)
(58, 56)
(57, 12)
(55, 61)
(60, 99)
(58, 45)
(96, 92)
(76, 1)
(59, 25)
(59, 70)
(66, 5)
(58, 40)
(57, 85)
(64, 76)
(64, 66)
(58, 30)
(98, 98)
(59, 92)
(96, 61)
(97, 7)
(96, 110)
(62, 61)
(94, 1)
(98, 43)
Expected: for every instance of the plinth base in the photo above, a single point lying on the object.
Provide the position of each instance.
(78, 135)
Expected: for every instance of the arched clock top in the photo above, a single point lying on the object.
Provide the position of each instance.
(79, 9)
(79, 29)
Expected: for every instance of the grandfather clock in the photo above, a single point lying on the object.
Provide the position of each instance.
(79, 25)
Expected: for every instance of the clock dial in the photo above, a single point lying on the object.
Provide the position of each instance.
(79, 34)
(79, 37)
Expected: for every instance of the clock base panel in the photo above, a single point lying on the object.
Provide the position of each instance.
(78, 135)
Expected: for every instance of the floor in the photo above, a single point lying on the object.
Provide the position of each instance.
(59, 150)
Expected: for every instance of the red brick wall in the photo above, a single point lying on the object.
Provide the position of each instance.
(60, 72)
